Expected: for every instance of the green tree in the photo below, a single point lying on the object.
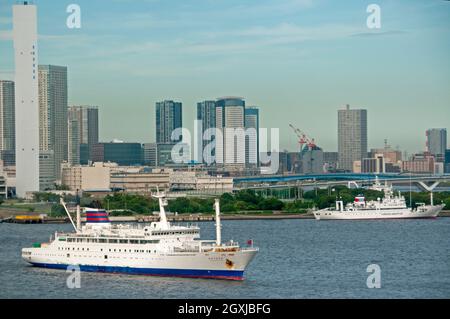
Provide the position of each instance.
(271, 203)
(57, 210)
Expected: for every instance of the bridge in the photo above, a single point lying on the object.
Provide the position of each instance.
(290, 187)
(274, 185)
(338, 177)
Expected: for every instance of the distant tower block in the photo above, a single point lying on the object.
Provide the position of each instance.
(27, 98)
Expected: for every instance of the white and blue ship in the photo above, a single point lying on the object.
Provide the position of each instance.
(157, 249)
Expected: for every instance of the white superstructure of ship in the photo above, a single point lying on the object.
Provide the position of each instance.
(157, 249)
(392, 206)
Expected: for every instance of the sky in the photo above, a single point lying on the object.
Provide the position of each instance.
(298, 60)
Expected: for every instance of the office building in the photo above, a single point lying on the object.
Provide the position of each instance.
(283, 167)
(357, 167)
(3, 186)
(375, 165)
(85, 154)
(165, 152)
(150, 154)
(95, 177)
(7, 124)
(141, 181)
(390, 155)
(289, 163)
(200, 181)
(436, 141)
(88, 129)
(352, 137)
(168, 118)
(46, 170)
(447, 162)
(330, 161)
(252, 137)
(53, 120)
(311, 160)
(126, 154)
(420, 164)
(439, 168)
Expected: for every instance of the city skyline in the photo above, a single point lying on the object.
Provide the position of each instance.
(301, 94)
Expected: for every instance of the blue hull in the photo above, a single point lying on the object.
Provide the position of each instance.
(186, 273)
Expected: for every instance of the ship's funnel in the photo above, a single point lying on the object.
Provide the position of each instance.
(97, 217)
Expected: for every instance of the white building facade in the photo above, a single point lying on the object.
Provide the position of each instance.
(27, 98)
(230, 119)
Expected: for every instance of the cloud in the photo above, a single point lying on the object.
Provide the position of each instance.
(378, 34)
(8, 35)
(281, 34)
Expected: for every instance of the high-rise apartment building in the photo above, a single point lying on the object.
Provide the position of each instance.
(352, 137)
(53, 124)
(437, 141)
(7, 123)
(230, 119)
(73, 140)
(26, 98)
(168, 118)
(252, 136)
(206, 115)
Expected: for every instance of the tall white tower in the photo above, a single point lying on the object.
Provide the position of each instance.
(27, 98)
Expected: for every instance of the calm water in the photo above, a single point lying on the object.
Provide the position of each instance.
(298, 259)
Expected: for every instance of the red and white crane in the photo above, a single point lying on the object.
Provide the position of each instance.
(303, 139)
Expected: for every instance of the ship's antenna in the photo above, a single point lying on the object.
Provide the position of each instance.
(78, 213)
(218, 225)
(162, 213)
(410, 190)
(68, 214)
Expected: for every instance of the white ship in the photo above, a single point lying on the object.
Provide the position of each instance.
(390, 207)
(158, 249)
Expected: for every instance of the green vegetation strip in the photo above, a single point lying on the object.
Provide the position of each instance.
(244, 202)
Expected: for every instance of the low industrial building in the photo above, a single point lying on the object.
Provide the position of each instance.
(143, 181)
(198, 181)
(95, 177)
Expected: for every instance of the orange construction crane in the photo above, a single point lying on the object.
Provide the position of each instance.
(303, 139)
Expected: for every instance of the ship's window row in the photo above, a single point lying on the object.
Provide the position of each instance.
(175, 233)
(110, 241)
(110, 250)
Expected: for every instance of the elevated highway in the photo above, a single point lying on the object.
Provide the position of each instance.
(270, 184)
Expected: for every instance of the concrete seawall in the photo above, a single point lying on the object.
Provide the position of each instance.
(205, 218)
(189, 218)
